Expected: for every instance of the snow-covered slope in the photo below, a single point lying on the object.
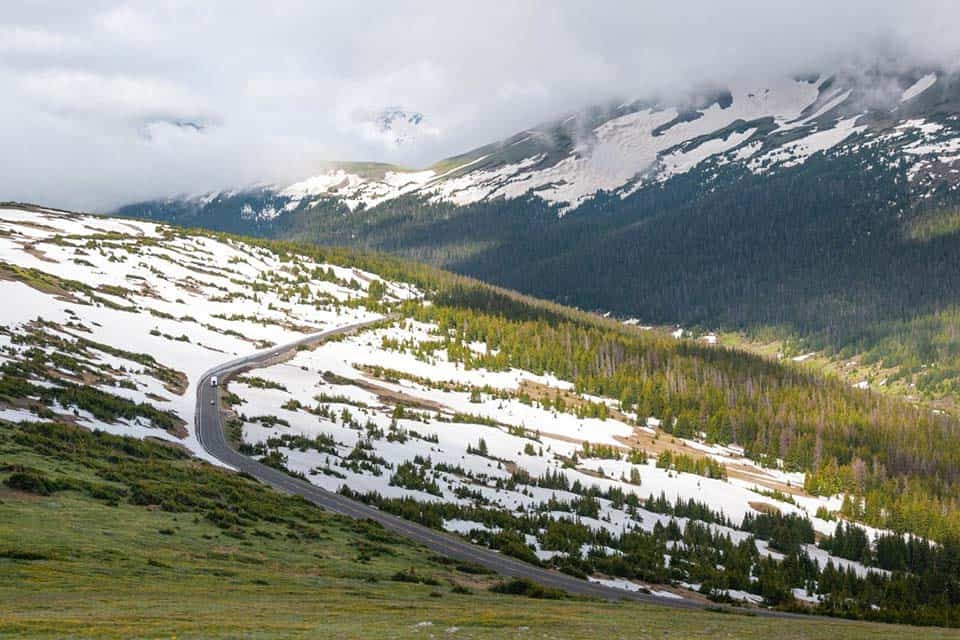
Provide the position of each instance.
(761, 126)
(381, 413)
(139, 310)
(109, 323)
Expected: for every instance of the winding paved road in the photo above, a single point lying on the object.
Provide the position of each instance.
(211, 435)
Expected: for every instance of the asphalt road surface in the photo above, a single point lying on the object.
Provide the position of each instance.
(211, 435)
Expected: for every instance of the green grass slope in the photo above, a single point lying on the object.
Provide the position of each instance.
(103, 536)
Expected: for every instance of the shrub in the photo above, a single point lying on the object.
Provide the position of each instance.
(411, 576)
(30, 481)
(473, 568)
(527, 587)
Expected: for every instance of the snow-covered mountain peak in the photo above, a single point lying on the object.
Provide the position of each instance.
(760, 126)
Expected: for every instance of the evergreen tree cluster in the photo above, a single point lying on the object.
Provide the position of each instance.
(900, 464)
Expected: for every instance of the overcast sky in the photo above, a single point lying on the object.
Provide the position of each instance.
(108, 102)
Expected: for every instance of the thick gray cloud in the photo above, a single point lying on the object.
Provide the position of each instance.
(106, 102)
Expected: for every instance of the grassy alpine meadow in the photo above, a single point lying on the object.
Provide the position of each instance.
(105, 536)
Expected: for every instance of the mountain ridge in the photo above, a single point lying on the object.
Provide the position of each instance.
(620, 148)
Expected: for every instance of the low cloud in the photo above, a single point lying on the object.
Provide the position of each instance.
(108, 102)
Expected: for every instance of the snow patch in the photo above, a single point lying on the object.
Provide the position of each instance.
(918, 87)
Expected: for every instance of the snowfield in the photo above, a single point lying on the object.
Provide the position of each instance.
(918, 87)
(187, 302)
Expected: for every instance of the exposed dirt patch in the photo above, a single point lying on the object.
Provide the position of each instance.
(179, 430)
(562, 438)
(76, 326)
(655, 444)
(6, 493)
(539, 392)
(105, 232)
(28, 405)
(31, 249)
(750, 473)
(35, 225)
(764, 507)
(134, 228)
(686, 594)
(89, 378)
(509, 465)
(145, 289)
(189, 285)
(179, 383)
(591, 473)
(393, 398)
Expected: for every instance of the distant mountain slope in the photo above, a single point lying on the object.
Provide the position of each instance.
(824, 207)
(631, 146)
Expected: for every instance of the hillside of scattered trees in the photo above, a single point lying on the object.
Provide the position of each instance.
(899, 463)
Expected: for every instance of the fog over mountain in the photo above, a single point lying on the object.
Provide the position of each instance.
(127, 101)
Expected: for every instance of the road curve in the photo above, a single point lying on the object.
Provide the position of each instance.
(211, 436)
